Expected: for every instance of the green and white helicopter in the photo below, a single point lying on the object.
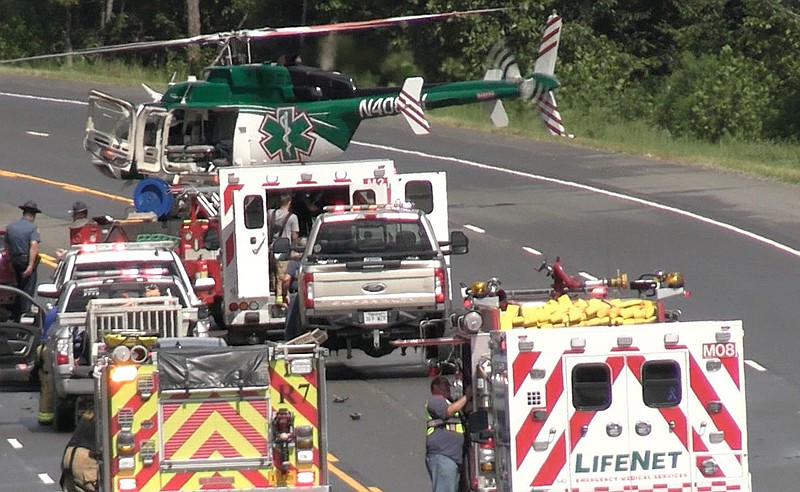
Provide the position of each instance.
(256, 114)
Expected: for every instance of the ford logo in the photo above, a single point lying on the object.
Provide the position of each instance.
(373, 288)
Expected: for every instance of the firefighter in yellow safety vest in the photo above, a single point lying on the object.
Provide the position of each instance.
(444, 443)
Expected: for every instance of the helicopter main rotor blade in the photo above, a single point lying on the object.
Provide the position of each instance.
(364, 25)
(262, 33)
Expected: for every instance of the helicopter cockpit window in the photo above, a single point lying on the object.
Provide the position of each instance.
(254, 212)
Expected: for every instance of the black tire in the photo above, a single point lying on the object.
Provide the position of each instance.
(64, 415)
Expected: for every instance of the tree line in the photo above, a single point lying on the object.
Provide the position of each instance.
(707, 69)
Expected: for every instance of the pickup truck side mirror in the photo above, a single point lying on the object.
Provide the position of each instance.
(478, 426)
(459, 243)
(47, 290)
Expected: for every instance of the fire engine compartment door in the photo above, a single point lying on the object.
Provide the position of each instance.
(428, 192)
(214, 408)
(628, 419)
(111, 126)
(251, 248)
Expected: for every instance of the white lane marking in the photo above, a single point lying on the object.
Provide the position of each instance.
(474, 228)
(532, 251)
(41, 98)
(14, 443)
(594, 189)
(37, 134)
(44, 477)
(755, 365)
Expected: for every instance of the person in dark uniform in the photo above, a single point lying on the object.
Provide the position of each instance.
(80, 215)
(22, 245)
(79, 464)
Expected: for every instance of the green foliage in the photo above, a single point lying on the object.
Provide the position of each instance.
(716, 96)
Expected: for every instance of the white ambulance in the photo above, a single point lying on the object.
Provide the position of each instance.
(247, 194)
(654, 405)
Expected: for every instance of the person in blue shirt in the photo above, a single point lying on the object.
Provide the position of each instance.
(22, 245)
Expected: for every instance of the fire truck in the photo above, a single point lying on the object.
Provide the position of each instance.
(575, 405)
(180, 415)
(222, 232)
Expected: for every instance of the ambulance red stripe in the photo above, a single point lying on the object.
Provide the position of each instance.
(553, 464)
(531, 428)
(521, 368)
(705, 393)
(732, 366)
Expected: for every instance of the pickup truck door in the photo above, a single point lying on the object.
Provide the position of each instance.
(428, 192)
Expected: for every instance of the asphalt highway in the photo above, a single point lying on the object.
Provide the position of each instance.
(736, 239)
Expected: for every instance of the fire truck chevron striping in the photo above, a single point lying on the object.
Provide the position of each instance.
(212, 418)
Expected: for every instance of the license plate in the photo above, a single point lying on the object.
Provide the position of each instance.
(376, 317)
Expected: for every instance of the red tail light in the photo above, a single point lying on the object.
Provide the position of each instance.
(308, 290)
(440, 288)
(62, 351)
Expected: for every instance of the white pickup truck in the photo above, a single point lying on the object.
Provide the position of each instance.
(88, 309)
(374, 274)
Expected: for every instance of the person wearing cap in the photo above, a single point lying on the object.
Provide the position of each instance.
(22, 246)
(80, 215)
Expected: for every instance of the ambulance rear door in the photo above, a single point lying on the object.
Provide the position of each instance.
(628, 419)
(427, 192)
(245, 238)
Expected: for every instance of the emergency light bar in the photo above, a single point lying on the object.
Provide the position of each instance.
(124, 273)
(123, 246)
(404, 207)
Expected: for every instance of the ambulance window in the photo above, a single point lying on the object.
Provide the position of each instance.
(661, 383)
(420, 193)
(254, 212)
(591, 387)
(363, 197)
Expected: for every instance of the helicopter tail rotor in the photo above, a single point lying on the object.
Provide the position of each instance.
(536, 87)
(410, 106)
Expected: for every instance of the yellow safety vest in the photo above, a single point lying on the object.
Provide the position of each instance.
(452, 424)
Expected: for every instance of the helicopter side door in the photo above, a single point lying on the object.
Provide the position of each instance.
(150, 141)
(110, 131)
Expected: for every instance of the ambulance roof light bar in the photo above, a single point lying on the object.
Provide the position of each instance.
(122, 246)
(406, 206)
